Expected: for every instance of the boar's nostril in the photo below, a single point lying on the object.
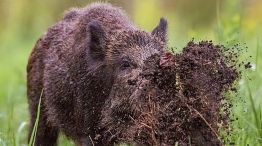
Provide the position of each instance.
(167, 59)
(132, 82)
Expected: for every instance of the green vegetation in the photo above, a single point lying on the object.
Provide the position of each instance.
(226, 22)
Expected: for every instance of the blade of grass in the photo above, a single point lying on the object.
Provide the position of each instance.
(10, 130)
(2, 142)
(260, 111)
(219, 24)
(253, 106)
(257, 53)
(33, 134)
(19, 132)
(176, 144)
(260, 124)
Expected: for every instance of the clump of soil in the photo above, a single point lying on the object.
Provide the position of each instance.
(204, 73)
(183, 102)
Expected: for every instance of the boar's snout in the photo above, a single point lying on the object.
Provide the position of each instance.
(132, 108)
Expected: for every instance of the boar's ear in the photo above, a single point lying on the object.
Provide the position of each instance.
(161, 30)
(97, 40)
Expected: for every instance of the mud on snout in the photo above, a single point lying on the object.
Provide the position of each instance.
(131, 112)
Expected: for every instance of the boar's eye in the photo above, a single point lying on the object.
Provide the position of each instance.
(126, 64)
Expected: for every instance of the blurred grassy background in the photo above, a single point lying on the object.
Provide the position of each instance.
(226, 22)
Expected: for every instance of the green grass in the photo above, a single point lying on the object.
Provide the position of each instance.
(34, 132)
(228, 29)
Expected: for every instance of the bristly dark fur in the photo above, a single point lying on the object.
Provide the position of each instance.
(77, 62)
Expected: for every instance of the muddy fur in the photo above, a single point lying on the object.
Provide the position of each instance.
(78, 63)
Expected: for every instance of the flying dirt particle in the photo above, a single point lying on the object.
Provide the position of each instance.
(248, 65)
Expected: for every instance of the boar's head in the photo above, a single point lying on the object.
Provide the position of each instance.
(133, 59)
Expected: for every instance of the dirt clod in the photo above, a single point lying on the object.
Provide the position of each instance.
(183, 102)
